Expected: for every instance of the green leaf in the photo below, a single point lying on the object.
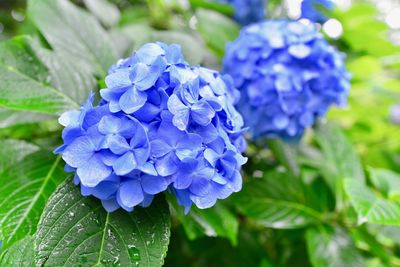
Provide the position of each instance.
(66, 74)
(24, 79)
(192, 47)
(285, 154)
(20, 254)
(10, 117)
(387, 181)
(76, 230)
(25, 187)
(106, 12)
(339, 160)
(217, 221)
(339, 155)
(369, 206)
(13, 151)
(277, 200)
(332, 247)
(216, 29)
(82, 38)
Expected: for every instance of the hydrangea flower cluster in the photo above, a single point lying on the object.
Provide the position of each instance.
(247, 11)
(313, 9)
(288, 75)
(160, 124)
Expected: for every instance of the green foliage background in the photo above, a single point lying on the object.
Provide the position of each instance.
(333, 200)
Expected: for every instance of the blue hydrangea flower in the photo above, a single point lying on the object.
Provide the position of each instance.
(313, 9)
(288, 75)
(160, 124)
(246, 11)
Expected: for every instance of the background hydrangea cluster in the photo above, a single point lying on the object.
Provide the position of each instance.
(247, 11)
(314, 9)
(160, 124)
(288, 74)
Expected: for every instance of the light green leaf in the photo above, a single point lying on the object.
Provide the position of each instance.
(20, 254)
(217, 221)
(25, 187)
(76, 230)
(10, 117)
(25, 85)
(332, 247)
(82, 38)
(192, 47)
(369, 206)
(216, 29)
(277, 200)
(339, 155)
(13, 151)
(387, 181)
(106, 12)
(339, 160)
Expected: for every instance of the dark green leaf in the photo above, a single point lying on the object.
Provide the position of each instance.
(76, 230)
(277, 200)
(20, 254)
(285, 154)
(82, 38)
(25, 187)
(369, 206)
(332, 247)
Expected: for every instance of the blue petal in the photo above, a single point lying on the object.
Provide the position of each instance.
(117, 144)
(110, 125)
(132, 100)
(159, 148)
(118, 79)
(79, 152)
(153, 184)
(202, 113)
(166, 165)
(110, 205)
(130, 194)
(125, 164)
(93, 171)
(200, 186)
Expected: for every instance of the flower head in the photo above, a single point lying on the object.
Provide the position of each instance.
(288, 76)
(313, 9)
(160, 124)
(247, 11)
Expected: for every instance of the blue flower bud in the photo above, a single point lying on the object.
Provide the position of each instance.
(160, 124)
(288, 76)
